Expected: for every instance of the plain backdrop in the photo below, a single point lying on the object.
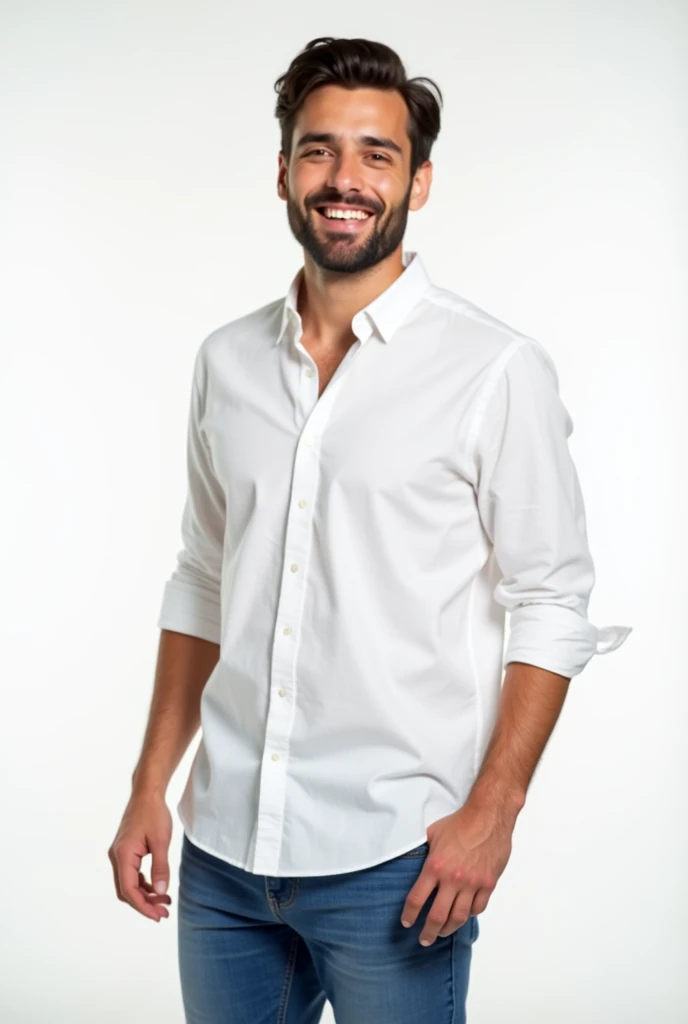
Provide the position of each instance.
(138, 213)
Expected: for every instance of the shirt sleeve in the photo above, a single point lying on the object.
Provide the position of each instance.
(531, 506)
(191, 597)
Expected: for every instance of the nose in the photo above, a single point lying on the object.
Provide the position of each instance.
(345, 173)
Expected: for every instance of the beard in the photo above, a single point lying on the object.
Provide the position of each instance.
(348, 254)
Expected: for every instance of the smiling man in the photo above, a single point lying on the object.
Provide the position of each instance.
(348, 237)
(350, 174)
(378, 471)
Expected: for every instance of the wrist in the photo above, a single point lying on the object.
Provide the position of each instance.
(148, 783)
(496, 796)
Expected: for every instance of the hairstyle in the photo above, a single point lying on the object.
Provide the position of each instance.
(356, 63)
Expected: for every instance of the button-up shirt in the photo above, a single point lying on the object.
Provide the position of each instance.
(354, 554)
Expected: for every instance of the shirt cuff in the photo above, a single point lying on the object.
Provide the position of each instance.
(558, 639)
(191, 608)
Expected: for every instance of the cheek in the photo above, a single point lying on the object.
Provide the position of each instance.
(306, 182)
(390, 191)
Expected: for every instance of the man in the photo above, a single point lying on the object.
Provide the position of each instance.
(378, 470)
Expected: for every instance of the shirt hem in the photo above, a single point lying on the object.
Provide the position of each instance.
(299, 874)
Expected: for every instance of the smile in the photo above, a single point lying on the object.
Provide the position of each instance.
(346, 222)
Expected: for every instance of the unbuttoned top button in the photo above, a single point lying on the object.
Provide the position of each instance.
(309, 372)
(294, 567)
(275, 757)
(287, 630)
(302, 503)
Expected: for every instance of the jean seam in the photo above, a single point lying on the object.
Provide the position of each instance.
(281, 1013)
(294, 894)
(452, 954)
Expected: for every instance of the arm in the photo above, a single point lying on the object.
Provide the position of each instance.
(529, 707)
(184, 664)
(190, 612)
(183, 667)
(531, 506)
(189, 649)
(470, 848)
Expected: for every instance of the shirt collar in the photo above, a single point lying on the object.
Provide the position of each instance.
(385, 313)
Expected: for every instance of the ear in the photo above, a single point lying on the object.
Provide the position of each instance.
(420, 191)
(282, 172)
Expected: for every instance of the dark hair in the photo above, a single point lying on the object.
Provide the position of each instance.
(356, 63)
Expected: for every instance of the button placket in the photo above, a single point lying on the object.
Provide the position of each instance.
(288, 622)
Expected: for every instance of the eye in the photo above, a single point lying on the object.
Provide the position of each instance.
(378, 156)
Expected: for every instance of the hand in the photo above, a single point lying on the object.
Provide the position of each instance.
(469, 850)
(146, 827)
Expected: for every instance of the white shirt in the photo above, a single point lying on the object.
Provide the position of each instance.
(354, 555)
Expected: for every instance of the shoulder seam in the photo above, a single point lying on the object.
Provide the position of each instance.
(459, 305)
(497, 368)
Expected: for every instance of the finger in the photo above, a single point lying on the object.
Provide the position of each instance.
(129, 867)
(417, 895)
(115, 873)
(145, 884)
(160, 866)
(481, 899)
(438, 913)
(153, 898)
(461, 910)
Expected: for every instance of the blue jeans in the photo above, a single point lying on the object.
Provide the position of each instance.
(256, 949)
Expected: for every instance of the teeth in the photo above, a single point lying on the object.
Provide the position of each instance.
(346, 214)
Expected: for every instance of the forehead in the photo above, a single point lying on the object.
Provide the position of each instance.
(331, 108)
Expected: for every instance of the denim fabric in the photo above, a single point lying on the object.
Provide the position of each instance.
(255, 949)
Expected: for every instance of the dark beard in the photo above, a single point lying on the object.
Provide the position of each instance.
(348, 255)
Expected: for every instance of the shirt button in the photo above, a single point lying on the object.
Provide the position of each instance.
(309, 372)
(275, 757)
(309, 440)
(302, 503)
(294, 567)
(287, 630)
(281, 691)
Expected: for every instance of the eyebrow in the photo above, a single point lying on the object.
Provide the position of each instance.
(364, 140)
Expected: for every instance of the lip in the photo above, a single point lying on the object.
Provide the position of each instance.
(344, 227)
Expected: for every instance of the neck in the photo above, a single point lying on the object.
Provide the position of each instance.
(328, 301)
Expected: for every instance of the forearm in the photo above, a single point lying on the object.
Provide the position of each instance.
(529, 707)
(183, 666)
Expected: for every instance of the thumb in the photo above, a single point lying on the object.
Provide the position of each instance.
(160, 868)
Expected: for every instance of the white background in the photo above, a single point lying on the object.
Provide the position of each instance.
(139, 212)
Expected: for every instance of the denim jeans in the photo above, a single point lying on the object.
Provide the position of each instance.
(256, 949)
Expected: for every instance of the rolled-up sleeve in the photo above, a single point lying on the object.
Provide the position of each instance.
(531, 506)
(191, 600)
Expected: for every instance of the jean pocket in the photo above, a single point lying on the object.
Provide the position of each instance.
(417, 851)
(475, 927)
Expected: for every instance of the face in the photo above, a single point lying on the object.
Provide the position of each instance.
(350, 150)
